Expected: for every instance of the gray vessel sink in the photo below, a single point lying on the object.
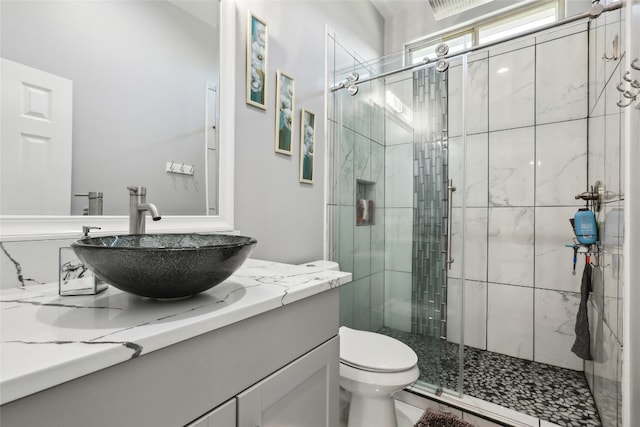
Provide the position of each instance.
(164, 266)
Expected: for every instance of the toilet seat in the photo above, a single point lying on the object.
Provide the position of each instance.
(373, 352)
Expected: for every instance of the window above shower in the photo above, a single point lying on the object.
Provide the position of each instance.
(486, 30)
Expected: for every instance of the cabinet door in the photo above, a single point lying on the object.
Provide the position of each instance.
(223, 416)
(303, 393)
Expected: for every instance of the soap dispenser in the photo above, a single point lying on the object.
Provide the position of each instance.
(75, 278)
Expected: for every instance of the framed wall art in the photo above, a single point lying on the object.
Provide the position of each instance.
(257, 41)
(307, 145)
(284, 113)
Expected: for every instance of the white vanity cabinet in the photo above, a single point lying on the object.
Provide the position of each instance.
(304, 393)
(279, 367)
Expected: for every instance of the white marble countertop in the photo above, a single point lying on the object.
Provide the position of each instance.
(48, 339)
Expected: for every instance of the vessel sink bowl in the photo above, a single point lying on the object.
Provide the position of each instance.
(164, 266)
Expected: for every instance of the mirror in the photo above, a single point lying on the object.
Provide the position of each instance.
(123, 93)
(28, 227)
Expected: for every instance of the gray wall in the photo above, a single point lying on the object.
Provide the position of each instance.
(287, 217)
(139, 70)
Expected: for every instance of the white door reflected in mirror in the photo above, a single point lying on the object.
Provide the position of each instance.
(36, 141)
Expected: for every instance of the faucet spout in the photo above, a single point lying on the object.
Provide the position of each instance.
(137, 207)
(153, 210)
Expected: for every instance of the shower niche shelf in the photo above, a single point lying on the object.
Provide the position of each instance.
(365, 203)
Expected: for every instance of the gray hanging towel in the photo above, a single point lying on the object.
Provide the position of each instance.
(582, 345)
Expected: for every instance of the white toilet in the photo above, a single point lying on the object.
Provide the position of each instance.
(372, 368)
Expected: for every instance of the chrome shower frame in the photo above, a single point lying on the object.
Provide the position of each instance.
(596, 10)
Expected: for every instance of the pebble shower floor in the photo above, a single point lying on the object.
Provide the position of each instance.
(550, 393)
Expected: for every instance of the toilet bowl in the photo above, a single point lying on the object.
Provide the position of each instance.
(372, 368)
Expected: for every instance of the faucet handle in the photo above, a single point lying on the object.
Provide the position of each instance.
(587, 195)
(137, 191)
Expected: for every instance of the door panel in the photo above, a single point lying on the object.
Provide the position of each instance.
(223, 416)
(36, 141)
(303, 393)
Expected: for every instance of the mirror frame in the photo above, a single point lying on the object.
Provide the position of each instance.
(43, 227)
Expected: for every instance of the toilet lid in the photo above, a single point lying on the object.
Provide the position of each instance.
(375, 352)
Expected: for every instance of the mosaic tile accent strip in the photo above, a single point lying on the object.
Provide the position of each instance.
(550, 393)
(429, 291)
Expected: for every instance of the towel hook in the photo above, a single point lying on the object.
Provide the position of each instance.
(621, 105)
(615, 51)
(634, 83)
(634, 66)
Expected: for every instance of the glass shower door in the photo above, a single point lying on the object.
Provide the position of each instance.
(389, 144)
(440, 364)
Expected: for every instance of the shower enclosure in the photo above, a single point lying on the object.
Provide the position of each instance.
(477, 280)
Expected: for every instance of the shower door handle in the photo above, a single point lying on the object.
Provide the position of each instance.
(450, 190)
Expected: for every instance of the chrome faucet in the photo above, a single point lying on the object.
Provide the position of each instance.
(137, 207)
(95, 202)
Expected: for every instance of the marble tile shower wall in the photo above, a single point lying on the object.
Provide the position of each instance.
(526, 159)
(605, 164)
(356, 154)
